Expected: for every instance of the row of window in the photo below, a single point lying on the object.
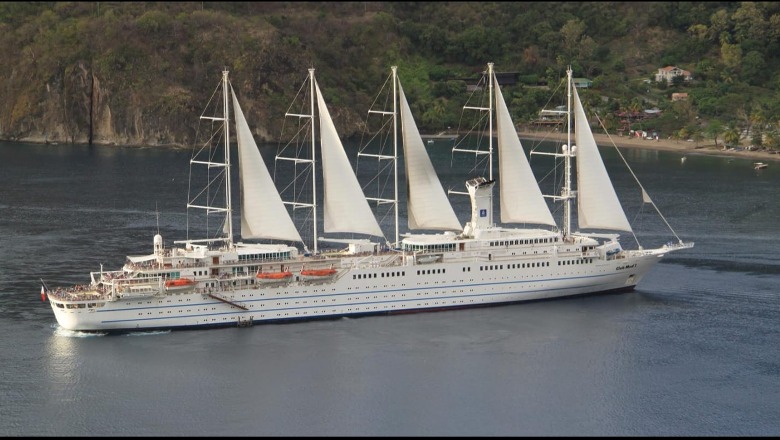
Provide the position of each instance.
(80, 306)
(451, 247)
(438, 247)
(363, 276)
(526, 241)
(516, 265)
(431, 271)
(171, 275)
(489, 267)
(265, 257)
(577, 261)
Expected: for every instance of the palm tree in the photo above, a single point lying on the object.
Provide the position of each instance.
(696, 134)
(683, 134)
(772, 138)
(714, 130)
(757, 123)
(731, 135)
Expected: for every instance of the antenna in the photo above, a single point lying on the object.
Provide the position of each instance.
(157, 211)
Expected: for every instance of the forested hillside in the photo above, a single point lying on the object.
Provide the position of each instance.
(139, 73)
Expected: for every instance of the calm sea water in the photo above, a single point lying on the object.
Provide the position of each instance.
(692, 351)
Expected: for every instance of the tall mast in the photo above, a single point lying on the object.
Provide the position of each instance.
(211, 161)
(567, 193)
(394, 157)
(313, 159)
(395, 149)
(226, 113)
(228, 191)
(491, 78)
(491, 98)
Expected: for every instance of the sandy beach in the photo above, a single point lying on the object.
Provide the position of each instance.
(684, 147)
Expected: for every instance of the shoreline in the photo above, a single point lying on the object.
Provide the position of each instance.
(682, 147)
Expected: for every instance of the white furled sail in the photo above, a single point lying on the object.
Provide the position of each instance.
(521, 199)
(427, 203)
(345, 206)
(597, 204)
(263, 215)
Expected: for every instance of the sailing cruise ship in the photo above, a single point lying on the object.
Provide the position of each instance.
(219, 281)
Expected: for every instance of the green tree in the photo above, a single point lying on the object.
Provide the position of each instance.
(772, 137)
(720, 24)
(696, 134)
(572, 33)
(750, 25)
(731, 135)
(754, 69)
(757, 122)
(683, 134)
(731, 57)
(714, 130)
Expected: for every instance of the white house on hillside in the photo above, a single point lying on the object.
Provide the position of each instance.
(668, 73)
(582, 83)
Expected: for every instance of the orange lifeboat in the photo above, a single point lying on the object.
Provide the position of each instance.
(273, 276)
(318, 272)
(180, 284)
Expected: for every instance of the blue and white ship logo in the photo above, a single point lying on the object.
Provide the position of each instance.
(483, 212)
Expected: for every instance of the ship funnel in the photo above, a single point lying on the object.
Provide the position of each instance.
(481, 194)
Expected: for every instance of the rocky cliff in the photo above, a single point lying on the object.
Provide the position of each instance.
(138, 74)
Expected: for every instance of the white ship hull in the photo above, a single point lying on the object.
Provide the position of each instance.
(358, 292)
